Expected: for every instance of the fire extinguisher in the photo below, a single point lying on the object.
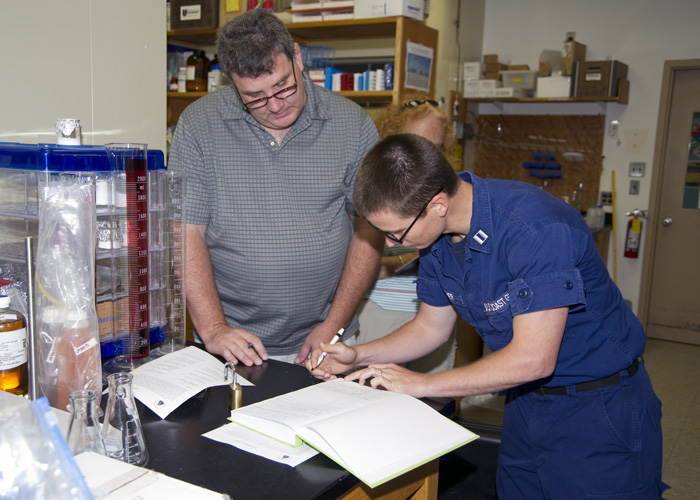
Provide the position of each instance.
(634, 233)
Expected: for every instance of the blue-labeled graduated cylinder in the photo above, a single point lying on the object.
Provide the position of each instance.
(21, 168)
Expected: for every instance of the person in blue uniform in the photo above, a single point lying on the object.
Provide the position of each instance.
(581, 418)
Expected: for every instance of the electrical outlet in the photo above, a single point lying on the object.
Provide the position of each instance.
(606, 198)
(637, 169)
(634, 187)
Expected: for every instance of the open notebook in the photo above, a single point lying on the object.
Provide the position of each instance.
(374, 434)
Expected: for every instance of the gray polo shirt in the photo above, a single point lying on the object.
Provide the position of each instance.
(276, 214)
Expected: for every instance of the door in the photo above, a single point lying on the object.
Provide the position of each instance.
(671, 273)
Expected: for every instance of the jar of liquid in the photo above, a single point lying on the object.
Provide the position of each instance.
(197, 69)
(13, 349)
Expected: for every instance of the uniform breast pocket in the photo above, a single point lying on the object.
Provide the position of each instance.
(500, 320)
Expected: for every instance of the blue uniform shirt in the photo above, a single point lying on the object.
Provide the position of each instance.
(528, 251)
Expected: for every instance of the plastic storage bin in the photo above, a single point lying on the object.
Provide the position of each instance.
(519, 79)
(21, 168)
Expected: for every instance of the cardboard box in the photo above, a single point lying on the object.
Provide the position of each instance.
(523, 80)
(554, 86)
(473, 71)
(571, 52)
(384, 8)
(598, 78)
(490, 58)
(194, 14)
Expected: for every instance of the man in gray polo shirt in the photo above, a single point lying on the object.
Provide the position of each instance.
(277, 260)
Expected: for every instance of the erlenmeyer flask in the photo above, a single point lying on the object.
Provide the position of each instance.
(84, 428)
(121, 429)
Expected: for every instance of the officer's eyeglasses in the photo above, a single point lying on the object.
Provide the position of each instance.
(400, 240)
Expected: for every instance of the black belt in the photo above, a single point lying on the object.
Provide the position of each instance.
(589, 386)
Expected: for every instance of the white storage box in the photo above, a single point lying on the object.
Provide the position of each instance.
(489, 85)
(473, 71)
(386, 8)
(554, 86)
(519, 79)
(471, 88)
(510, 92)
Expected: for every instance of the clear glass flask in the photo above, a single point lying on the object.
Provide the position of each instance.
(121, 430)
(84, 428)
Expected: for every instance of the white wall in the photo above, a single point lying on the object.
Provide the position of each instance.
(460, 33)
(642, 34)
(100, 61)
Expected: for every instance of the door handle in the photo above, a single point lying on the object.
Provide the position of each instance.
(667, 221)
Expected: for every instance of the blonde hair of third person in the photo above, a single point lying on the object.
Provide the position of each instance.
(421, 117)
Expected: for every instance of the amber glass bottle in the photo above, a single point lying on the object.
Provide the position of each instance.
(13, 349)
(197, 70)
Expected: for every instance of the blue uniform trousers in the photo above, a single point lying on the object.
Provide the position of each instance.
(600, 444)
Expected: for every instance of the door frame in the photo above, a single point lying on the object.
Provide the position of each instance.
(657, 177)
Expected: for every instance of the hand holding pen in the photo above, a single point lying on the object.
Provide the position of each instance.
(335, 339)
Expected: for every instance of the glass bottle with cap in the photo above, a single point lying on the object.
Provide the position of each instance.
(197, 69)
(13, 349)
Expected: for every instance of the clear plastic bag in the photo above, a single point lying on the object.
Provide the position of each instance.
(68, 343)
(35, 461)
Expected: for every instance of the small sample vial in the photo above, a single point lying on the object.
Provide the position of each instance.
(69, 132)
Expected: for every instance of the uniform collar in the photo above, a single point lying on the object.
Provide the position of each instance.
(480, 238)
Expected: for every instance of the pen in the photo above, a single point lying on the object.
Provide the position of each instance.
(336, 338)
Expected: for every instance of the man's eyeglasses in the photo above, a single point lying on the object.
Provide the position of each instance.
(415, 104)
(400, 240)
(282, 94)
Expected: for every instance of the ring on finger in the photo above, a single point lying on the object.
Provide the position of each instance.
(381, 373)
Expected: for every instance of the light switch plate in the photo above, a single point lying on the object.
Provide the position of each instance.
(634, 187)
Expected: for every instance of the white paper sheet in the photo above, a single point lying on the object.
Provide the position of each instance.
(165, 383)
(260, 445)
(110, 479)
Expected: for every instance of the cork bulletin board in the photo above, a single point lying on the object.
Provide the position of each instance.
(505, 142)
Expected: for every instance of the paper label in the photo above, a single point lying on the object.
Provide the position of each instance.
(190, 12)
(8, 317)
(13, 348)
(87, 345)
(594, 77)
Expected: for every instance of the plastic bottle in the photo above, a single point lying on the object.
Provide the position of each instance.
(591, 217)
(77, 357)
(214, 78)
(197, 69)
(182, 80)
(13, 349)
(600, 218)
